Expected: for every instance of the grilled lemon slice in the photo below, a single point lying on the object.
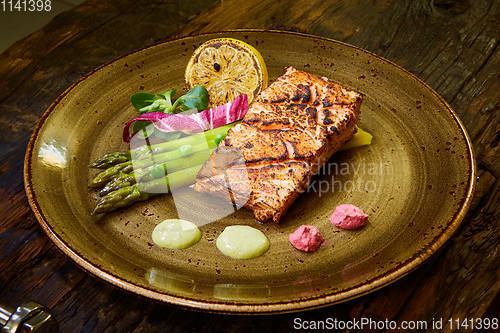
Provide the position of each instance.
(227, 67)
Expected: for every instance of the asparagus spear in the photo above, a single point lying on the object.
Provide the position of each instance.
(139, 192)
(119, 181)
(111, 159)
(156, 171)
(160, 170)
(180, 153)
(106, 175)
(210, 135)
(120, 198)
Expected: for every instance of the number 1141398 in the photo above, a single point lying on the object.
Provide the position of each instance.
(26, 5)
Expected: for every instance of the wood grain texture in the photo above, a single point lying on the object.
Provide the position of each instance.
(451, 45)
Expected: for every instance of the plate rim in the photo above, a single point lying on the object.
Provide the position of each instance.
(359, 290)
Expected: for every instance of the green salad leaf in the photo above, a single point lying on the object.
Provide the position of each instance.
(168, 95)
(196, 98)
(142, 100)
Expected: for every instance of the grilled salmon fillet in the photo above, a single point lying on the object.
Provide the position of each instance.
(290, 130)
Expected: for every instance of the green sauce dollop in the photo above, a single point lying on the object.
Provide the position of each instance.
(176, 234)
(242, 242)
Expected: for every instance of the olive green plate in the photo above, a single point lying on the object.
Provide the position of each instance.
(415, 181)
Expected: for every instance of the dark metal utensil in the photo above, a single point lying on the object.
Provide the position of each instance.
(28, 317)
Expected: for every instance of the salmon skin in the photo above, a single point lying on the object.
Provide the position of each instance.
(290, 130)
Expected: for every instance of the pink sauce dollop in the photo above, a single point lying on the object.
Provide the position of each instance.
(306, 238)
(348, 217)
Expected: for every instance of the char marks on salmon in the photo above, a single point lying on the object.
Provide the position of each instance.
(290, 130)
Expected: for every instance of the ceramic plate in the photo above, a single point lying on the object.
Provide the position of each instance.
(415, 181)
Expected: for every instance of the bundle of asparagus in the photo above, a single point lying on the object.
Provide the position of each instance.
(147, 165)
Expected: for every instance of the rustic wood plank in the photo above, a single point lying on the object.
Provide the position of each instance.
(35, 71)
(452, 45)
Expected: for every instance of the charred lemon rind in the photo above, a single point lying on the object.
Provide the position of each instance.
(227, 67)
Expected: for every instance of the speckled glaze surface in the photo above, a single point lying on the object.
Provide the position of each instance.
(415, 181)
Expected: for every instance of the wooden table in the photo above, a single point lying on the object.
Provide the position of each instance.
(451, 45)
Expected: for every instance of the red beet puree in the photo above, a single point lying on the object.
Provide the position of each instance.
(306, 238)
(348, 217)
